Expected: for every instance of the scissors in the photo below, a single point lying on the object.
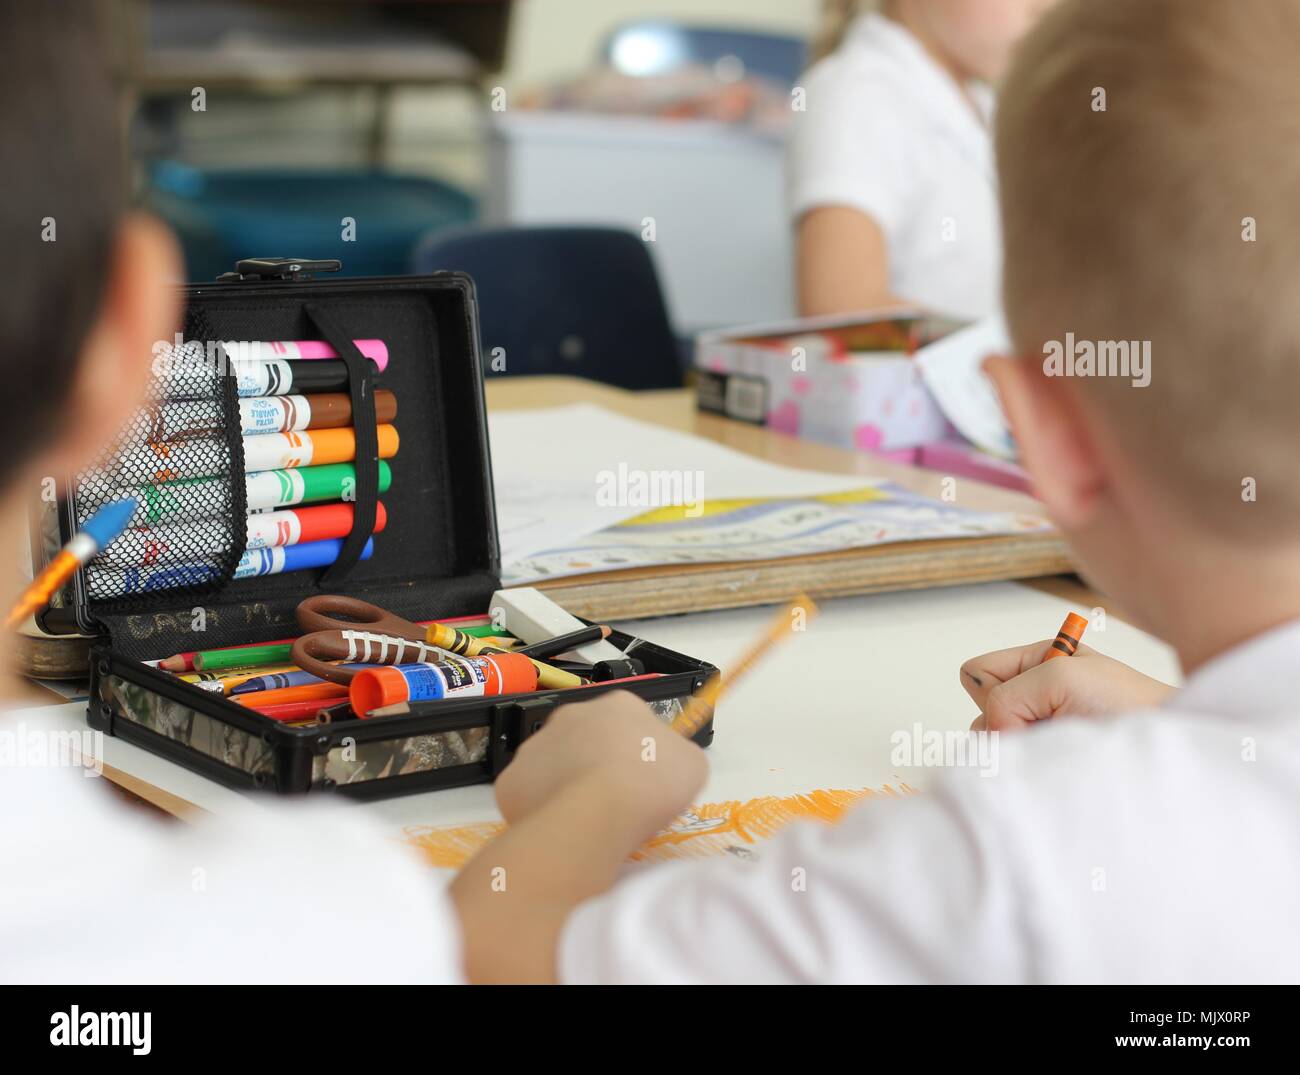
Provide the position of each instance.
(348, 629)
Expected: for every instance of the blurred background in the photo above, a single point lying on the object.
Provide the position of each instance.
(621, 154)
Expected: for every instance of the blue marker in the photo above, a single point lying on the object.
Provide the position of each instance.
(119, 582)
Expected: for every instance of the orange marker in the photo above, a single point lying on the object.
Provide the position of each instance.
(1068, 637)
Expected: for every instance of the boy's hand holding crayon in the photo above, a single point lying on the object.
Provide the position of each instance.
(1016, 687)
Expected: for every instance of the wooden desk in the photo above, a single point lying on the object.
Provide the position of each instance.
(906, 566)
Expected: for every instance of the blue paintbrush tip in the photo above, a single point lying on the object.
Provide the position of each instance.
(110, 520)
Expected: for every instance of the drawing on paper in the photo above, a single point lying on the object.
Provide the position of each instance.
(724, 828)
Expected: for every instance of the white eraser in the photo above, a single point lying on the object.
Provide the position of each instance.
(530, 615)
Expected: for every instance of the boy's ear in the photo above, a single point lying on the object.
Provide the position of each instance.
(140, 307)
(1057, 447)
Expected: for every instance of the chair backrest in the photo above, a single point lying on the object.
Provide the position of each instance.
(581, 301)
(657, 46)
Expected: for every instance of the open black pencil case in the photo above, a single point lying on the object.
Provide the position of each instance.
(438, 557)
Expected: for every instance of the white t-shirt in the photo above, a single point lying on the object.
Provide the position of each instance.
(94, 891)
(1161, 846)
(887, 131)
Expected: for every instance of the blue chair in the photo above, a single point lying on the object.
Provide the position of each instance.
(223, 215)
(656, 47)
(580, 301)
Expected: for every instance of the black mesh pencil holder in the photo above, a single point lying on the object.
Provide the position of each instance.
(181, 456)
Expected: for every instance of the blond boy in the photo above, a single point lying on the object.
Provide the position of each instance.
(1148, 153)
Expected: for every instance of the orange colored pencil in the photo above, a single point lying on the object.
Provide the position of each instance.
(281, 695)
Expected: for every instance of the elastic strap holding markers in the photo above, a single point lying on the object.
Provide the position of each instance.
(361, 388)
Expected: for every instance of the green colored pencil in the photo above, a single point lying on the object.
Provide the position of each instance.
(213, 660)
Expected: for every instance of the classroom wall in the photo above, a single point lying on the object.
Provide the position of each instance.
(551, 39)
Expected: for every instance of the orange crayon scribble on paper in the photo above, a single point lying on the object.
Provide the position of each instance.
(702, 831)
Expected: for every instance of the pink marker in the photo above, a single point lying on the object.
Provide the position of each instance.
(269, 350)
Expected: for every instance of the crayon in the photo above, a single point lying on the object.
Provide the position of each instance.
(226, 682)
(458, 642)
(96, 532)
(147, 546)
(262, 414)
(453, 677)
(1067, 639)
(292, 712)
(192, 498)
(305, 693)
(122, 581)
(173, 460)
(274, 680)
(297, 350)
(258, 653)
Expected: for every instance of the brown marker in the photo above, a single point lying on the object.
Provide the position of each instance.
(324, 410)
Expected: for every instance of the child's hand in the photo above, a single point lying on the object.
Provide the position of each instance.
(618, 751)
(1014, 688)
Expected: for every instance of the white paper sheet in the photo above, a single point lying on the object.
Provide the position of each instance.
(565, 472)
(952, 371)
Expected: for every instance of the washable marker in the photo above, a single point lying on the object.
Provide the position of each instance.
(258, 653)
(257, 562)
(1067, 639)
(290, 414)
(260, 414)
(194, 458)
(274, 680)
(275, 451)
(195, 498)
(96, 532)
(454, 677)
(285, 378)
(123, 581)
(296, 350)
(305, 485)
(146, 546)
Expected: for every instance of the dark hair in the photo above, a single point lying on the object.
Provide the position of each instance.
(61, 203)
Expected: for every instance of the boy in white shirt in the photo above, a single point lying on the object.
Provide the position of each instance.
(94, 891)
(1137, 834)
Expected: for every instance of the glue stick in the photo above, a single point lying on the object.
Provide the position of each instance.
(453, 677)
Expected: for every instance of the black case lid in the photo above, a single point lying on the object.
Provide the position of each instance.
(439, 553)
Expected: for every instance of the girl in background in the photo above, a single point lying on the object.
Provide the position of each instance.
(892, 184)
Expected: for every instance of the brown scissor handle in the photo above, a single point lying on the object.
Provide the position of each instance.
(334, 612)
(310, 652)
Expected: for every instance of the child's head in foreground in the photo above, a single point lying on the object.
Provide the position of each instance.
(84, 297)
(1148, 155)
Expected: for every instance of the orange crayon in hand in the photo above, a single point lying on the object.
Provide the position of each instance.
(1068, 637)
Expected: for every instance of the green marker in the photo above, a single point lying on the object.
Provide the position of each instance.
(193, 498)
